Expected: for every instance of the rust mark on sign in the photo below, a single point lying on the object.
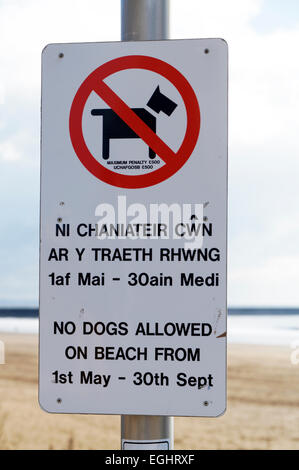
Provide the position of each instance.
(222, 336)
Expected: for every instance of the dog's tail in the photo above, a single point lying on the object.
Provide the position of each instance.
(98, 112)
(159, 102)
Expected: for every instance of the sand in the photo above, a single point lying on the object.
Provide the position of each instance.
(262, 413)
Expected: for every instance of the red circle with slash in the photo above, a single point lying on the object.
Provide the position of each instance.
(173, 160)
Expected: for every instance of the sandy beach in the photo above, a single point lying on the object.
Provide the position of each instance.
(262, 413)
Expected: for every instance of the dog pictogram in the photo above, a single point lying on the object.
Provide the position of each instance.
(115, 128)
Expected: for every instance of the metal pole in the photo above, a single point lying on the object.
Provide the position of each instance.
(143, 20)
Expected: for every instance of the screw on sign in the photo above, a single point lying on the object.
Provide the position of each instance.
(134, 122)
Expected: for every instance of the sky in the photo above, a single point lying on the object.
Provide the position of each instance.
(263, 38)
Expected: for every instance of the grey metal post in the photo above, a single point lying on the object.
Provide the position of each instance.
(143, 20)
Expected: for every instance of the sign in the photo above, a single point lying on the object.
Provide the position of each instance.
(133, 228)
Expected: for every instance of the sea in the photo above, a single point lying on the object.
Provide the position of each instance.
(269, 326)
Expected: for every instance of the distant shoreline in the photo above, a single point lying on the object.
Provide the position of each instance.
(19, 312)
(27, 312)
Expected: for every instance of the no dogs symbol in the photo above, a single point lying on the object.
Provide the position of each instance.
(119, 121)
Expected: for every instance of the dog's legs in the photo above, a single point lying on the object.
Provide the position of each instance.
(105, 148)
(151, 153)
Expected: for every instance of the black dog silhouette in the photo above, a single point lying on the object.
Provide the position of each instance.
(115, 128)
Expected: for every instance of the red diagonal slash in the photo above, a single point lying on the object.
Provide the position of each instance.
(135, 123)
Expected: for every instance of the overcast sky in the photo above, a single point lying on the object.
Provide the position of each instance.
(263, 38)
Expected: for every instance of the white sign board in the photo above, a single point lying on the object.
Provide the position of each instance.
(133, 228)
